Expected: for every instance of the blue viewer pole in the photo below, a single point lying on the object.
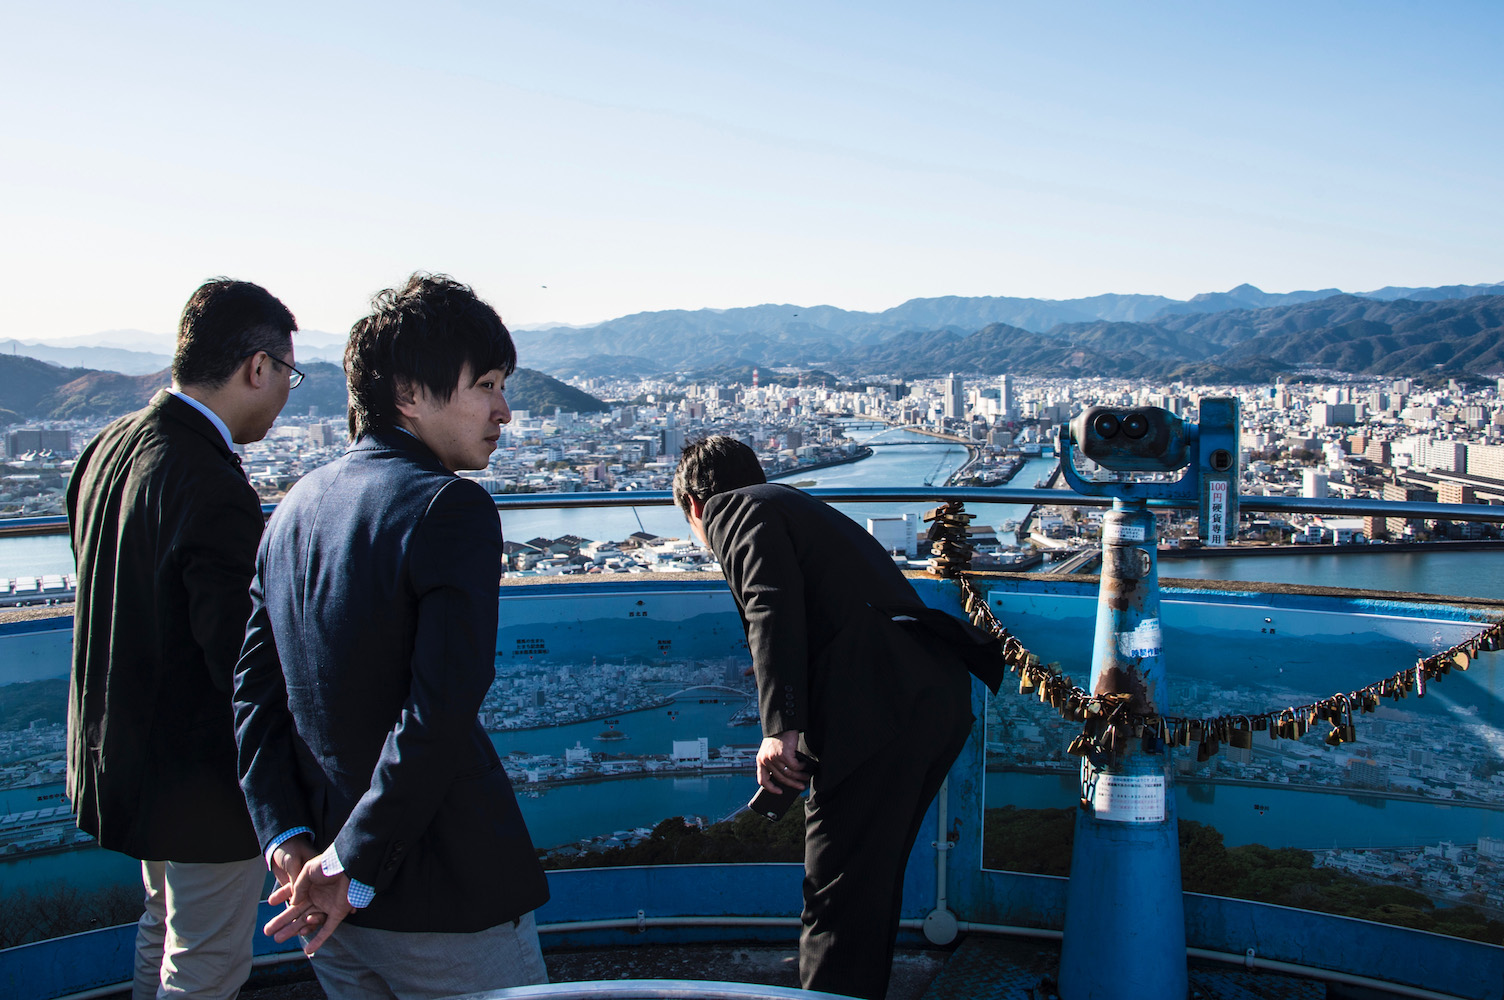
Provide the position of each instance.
(1124, 914)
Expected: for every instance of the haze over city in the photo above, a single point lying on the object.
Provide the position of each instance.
(581, 162)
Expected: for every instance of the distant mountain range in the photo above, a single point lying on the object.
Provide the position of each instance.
(31, 389)
(1241, 335)
(136, 352)
(1448, 338)
(1224, 336)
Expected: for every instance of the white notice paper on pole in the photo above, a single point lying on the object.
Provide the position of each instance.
(1129, 798)
(1117, 534)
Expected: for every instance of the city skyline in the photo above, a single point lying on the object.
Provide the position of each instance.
(583, 163)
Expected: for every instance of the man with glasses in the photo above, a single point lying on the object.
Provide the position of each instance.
(294, 377)
(164, 528)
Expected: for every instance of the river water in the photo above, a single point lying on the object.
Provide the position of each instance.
(1461, 574)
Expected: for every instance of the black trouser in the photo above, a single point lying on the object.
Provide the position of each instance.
(857, 839)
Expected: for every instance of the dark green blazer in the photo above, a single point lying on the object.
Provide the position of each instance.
(164, 528)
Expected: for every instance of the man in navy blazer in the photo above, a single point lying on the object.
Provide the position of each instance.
(370, 648)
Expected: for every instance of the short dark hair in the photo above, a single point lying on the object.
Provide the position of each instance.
(224, 323)
(714, 465)
(420, 336)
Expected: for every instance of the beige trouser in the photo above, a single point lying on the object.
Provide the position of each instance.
(194, 940)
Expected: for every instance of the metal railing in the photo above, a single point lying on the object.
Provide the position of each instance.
(1494, 513)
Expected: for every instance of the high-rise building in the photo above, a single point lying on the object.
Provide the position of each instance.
(896, 534)
(1005, 400)
(955, 397)
(1486, 461)
(1334, 415)
(39, 439)
(1394, 527)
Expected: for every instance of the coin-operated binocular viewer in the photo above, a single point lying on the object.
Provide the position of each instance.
(1124, 916)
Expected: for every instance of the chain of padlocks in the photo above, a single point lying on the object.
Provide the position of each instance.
(1107, 724)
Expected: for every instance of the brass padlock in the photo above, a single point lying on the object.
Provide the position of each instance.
(1207, 749)
(1242, 736)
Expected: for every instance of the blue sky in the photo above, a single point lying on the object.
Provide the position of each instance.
(637, 156)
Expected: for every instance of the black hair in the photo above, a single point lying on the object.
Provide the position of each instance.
(420, 336)
(714, 465)
(224, 323)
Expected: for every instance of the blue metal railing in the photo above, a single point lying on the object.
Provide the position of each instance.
(1493, 513)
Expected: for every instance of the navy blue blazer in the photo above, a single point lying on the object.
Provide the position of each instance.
(370, 647)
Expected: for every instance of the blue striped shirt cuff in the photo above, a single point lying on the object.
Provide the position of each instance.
(277, 841)
(360, 894)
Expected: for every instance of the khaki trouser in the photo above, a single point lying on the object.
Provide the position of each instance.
(194, 940)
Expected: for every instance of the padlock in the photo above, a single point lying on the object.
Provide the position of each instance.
(1241, 737)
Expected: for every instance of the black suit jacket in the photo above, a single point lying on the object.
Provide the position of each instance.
(371, 646)
(817, 596)
(164, 529)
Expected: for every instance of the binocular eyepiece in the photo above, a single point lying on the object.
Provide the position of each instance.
(1138, 439)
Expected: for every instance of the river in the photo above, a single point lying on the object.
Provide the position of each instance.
(1460, 574)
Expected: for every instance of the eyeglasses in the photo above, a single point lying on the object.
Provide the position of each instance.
(295, 379)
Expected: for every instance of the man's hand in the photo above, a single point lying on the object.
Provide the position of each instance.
(314, 900)
(778, 769)
(289, 857)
